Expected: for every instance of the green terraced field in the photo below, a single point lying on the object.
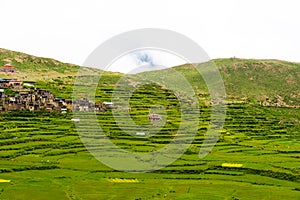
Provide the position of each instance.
(42, 154)
(256, 157)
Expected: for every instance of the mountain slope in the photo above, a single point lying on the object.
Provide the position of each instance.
(270, 82)
(34, 68)
(265, 81)
(258, 147)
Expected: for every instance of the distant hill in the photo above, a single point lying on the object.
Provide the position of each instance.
(271, 82)
(274, 80)
(34, 68)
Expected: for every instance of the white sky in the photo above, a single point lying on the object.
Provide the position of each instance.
(144, 60)
(69, 30)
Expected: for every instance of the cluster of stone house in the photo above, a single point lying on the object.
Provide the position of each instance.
(38, 99)
(85, 105)
(35, 99)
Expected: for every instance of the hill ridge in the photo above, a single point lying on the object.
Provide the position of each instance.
(267, 81)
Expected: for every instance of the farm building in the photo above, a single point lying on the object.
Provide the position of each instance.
(8, 68)
(2, 94)
(15, 83)
(28, 85)
(108, 104)
(4, 83)
(154, 116)
(140, 134)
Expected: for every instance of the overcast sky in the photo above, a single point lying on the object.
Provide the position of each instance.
(69, 30)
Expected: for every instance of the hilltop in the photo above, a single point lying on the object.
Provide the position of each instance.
(269, 82)
(33, 68)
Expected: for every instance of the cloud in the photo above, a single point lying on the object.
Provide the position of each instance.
(144, 58)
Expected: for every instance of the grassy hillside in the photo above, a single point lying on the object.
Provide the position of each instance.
(256, 157)
(265, 81)
(276, 81)
(48, 73)
(34, 68)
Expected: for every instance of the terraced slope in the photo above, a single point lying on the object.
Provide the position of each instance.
(258, 150)
(264, 81)
(256, 157)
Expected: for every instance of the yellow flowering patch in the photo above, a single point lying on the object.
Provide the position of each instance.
(120, 180)
(231, 165)
(4, 181)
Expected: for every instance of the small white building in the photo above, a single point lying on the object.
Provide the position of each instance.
(108, 104)
(140, 133)
(28, 85)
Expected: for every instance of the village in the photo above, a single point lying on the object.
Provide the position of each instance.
(17, 95)
(24, 96)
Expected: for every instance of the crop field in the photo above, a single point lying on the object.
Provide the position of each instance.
(256, 157)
